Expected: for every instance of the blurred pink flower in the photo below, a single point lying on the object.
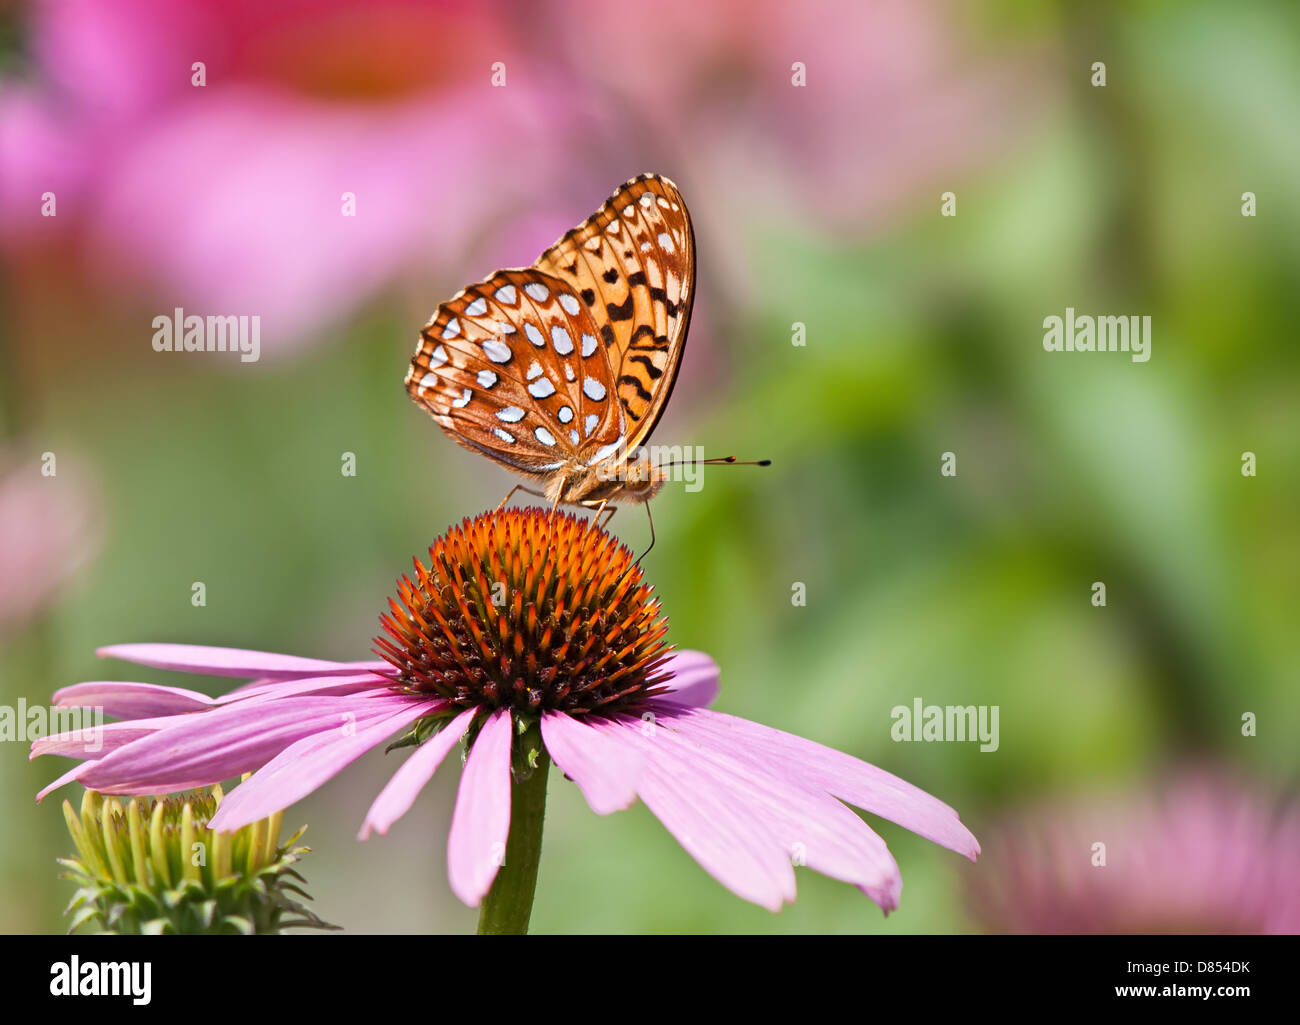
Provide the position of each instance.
(48, 529)
(1201, 854)
(229, 198)
(895, 104)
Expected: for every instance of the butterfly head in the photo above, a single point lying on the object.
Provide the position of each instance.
(643, 479)
(622, 480)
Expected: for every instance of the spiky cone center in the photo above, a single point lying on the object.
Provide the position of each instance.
(531, 610)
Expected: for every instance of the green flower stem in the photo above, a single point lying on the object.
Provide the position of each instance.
(509, 904)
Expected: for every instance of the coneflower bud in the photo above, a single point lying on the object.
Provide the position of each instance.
(152, 865)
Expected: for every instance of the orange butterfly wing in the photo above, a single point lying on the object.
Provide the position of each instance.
(568, 363)
(512, 367)
(633, 263)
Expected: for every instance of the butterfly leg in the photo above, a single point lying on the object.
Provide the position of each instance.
(601, 508)
(559, 490)
(511, 494)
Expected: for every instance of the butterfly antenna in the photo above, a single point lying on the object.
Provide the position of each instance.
(652, 539)
(719, 461)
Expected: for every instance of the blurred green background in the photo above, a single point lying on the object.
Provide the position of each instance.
(923, 336)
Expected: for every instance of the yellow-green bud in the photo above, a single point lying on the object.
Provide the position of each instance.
(152, 865)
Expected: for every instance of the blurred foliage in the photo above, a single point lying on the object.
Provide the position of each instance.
(922, 339)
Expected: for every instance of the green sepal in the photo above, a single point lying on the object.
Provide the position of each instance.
(82, 917)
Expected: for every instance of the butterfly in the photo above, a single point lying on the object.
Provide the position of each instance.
(560, 371)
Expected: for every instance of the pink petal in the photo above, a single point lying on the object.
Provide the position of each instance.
(695, 679)
(374, 665)
(480, 825)
(337, 685)
(195, 658)
(857, 782)
(399, 793)
(606, 772)
(84, 743)
(363, 669)
(124, 700)
(814, 828)
(700, 809)
(68, 777)
(257, 684)
(308, 763)
(224, 742)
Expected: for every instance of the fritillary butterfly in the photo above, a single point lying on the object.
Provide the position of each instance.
(561, 370)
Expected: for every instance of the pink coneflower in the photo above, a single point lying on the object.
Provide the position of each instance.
(534, 637)
(1201, 854)
(889, 100)
(228, 198)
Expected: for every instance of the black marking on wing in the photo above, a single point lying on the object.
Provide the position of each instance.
(627, 379)
(623, 312)
(654, 372)
(662, 296)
